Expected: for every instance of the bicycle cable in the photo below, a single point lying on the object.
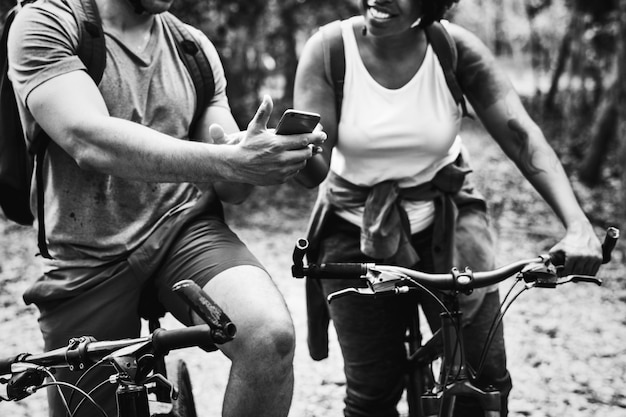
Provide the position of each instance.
(61, 395)
(90, 393)
(458, 344)
(80, 379)
(431, 293)
(75, 388)
(494, 326)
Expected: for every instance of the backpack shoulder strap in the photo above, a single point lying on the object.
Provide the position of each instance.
(91, 45)
(334, 60)
(92, 51)
(197, 64)
(445, 49)
(15, 163)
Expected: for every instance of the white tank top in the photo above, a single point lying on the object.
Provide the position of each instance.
(405, 134)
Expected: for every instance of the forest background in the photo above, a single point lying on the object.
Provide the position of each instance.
(566, 59)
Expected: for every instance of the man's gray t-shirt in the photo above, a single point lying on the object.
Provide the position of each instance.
(92, 218)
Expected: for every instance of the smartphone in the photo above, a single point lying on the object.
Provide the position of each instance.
(294, 122)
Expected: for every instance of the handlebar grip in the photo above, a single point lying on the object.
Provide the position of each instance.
(5, 364)
(165, 340)
(337, 270)
(223, 328)
(610, 240)
(299, 251)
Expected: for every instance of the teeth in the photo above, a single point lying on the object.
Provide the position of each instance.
(378, 14)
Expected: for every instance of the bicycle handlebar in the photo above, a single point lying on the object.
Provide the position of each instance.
(224, 329)
(456, 280)
(85, 350)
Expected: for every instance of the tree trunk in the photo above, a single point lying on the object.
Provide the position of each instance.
(602, 134)
(564, 54)
(567, 54)
(621, 92)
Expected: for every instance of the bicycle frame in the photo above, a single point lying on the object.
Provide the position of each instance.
(438, 399)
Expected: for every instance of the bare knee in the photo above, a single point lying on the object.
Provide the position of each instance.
(274, 341)
(265, 333)
(266, 343)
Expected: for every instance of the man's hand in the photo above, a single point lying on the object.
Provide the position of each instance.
(261, 157)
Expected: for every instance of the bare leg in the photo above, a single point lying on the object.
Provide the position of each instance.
(261, 376)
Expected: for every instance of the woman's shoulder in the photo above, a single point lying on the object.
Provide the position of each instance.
(463, 37)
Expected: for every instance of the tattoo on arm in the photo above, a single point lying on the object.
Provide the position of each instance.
(526, 153)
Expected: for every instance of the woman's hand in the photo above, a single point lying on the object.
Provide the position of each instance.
(580, 249)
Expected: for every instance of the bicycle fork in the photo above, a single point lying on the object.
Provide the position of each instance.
(132, 400)
(454, 380)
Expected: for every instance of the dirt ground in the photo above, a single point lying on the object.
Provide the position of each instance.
(566, 347)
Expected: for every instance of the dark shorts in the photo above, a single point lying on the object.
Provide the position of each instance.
(198, 250)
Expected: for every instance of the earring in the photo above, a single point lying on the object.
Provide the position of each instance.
(416, 23)
(364, 31)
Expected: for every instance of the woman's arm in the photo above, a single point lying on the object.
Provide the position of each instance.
(502, 113)
(314, 92)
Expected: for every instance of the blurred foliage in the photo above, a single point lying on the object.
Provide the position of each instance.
(259, 41)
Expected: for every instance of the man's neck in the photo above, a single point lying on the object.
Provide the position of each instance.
(119, 16)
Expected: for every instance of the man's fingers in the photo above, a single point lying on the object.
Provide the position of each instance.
(262, 115)
(216, 133)
(312, 140)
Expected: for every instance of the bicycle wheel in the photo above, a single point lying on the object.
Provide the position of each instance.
(184, 405)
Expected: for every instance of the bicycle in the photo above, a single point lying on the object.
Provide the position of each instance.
(143, 389)
(429, 395)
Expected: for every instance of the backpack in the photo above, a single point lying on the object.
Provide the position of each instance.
(442, 43)
(17, 159)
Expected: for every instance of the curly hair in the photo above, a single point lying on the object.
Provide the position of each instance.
(434, 10)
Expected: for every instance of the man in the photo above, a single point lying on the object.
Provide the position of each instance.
(121, 207)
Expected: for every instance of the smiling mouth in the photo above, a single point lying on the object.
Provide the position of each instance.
(379, 14)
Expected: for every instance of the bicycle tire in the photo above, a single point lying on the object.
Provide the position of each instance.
(184, 405)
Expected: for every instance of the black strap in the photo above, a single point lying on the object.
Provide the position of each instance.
(15, 163)
(442, 43)
(445, 49)
(91, 47)
(197, 64)
(41, 235)
(334, 60)
(91, 50)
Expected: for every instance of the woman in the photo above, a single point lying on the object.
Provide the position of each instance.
(396, 154)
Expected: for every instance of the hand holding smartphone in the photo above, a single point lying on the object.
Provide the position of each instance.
(294, 122)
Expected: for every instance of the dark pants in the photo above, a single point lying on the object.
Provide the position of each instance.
(371, 331)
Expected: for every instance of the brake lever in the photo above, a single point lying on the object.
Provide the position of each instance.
(579, 278)
(350, 291)
(380, 282)
(25, 380)
(540, 275)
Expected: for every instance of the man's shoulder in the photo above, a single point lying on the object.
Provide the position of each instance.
(46, 10)
(44, 17)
